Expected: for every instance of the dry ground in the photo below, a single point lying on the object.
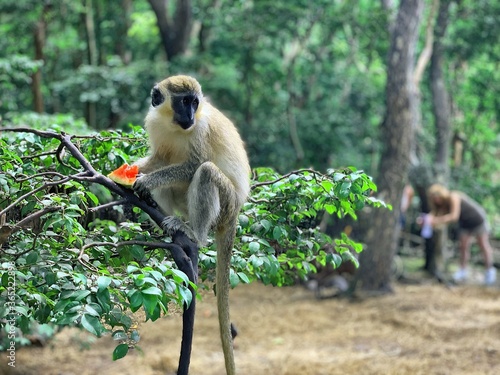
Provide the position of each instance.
(421, 329)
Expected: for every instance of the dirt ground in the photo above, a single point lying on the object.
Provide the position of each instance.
(424, 328)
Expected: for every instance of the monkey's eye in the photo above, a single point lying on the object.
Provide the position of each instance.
(190, 100)
(156, 97)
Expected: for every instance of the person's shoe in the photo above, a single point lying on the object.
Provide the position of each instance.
(490, 276)
(461, 275)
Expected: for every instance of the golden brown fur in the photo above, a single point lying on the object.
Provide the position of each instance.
(202, 173)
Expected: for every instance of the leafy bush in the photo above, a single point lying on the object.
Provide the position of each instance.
(72, 256)
(15, 72)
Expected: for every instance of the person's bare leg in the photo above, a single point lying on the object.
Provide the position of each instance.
(490, 276)
(485, 246)
(465, 240)
(464, 245)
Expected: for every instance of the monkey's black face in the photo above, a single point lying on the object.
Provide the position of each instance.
(185, 107)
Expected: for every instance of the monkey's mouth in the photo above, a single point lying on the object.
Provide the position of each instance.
(185, 124)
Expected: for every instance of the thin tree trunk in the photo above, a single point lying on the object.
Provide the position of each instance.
(398, 133)
(434, 249)
(440, 97)
(39, 35)
(124, 25)
(90, 107)
(175, 32)
(90, 29)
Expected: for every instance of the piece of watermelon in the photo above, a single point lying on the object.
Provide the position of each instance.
(125, 175)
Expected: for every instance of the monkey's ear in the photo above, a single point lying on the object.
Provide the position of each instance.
(156, 97)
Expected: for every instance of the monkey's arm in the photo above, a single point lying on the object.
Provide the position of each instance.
(148, 164)
(165, 177)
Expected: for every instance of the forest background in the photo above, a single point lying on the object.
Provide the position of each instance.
(304, 81)
(308, 84)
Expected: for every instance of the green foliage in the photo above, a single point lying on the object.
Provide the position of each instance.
(268, 65)
(278, 237)
(114, 88)
(74, 264)
(16, 71)
(57, 122)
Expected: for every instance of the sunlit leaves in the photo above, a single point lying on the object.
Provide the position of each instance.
(120, 351)
(279, 228)
(82, 266)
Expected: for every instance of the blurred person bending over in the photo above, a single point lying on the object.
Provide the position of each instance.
(454, 206)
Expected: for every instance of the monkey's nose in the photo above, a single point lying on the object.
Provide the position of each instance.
(186, 124)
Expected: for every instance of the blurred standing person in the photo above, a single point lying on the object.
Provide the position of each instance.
(406, 199)
(454, 206)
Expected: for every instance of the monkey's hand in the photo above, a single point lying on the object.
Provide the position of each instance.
(172, 224)
(140, 186)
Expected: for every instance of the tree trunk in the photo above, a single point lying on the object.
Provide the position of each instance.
(174, 35)
(124, 25)
(440, 97)
(389, 6)
(90, 31)
(398, 132)
(441, 109)
(39, 35)
(90, 107)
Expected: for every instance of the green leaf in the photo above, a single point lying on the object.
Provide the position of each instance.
(75, 295)
(254, 247)
(91, 310)
(338, 176)
(67, 319)
(152, 290)
(243, 277)
(93, 198)
(243, 221)
(149, 302)
(256, 261)
(132, 269)
(330, 208)
(266, 224)
(135, 336)
(137, 252)
(277, 233)
(179, 276)
(135, 300)
(347, 256)
(104, 299)
(334, 259)
(50, 278)
(119, 335)
(32, 258)
(92, 324)
(103, 282)
(327, 185)
(234, 280)
(186, 295)
(120, 351)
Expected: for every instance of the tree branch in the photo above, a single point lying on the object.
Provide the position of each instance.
(299, 171)
(152, 245)
(91, 175)
(426, 53)
(7, 230)
(107, 205)
(31, 192)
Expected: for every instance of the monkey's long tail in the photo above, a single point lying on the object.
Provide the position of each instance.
(185, 253)
(224, 241)
(187, 335)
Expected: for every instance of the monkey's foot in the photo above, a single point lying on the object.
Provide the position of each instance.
(172, 224)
